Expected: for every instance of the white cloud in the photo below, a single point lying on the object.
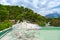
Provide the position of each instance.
(53, 4)
(35, 3)
(4, 2)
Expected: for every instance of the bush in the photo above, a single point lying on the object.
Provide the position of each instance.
(41, 24)
(55, 22)
(5, 24)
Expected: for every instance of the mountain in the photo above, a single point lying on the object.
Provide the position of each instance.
(53, 15)
(56, 7)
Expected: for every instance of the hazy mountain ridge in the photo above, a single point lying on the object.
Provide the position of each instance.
(53, 15)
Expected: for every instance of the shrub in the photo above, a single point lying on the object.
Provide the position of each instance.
(5, 24)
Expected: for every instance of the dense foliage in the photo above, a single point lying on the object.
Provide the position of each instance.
(55, 22)
(5, 24)
(20, 13)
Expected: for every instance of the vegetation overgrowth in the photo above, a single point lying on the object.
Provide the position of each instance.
(8, 12)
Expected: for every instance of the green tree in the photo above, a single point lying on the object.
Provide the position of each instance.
(3, 15)
(55, 22)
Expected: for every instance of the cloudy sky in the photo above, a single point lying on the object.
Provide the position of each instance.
(42, 7)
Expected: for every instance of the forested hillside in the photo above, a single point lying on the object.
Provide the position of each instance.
(19, 13)
(8, 12)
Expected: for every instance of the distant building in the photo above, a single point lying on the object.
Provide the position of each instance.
(13, 21)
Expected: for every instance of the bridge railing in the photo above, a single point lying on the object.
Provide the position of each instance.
(3, 32)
